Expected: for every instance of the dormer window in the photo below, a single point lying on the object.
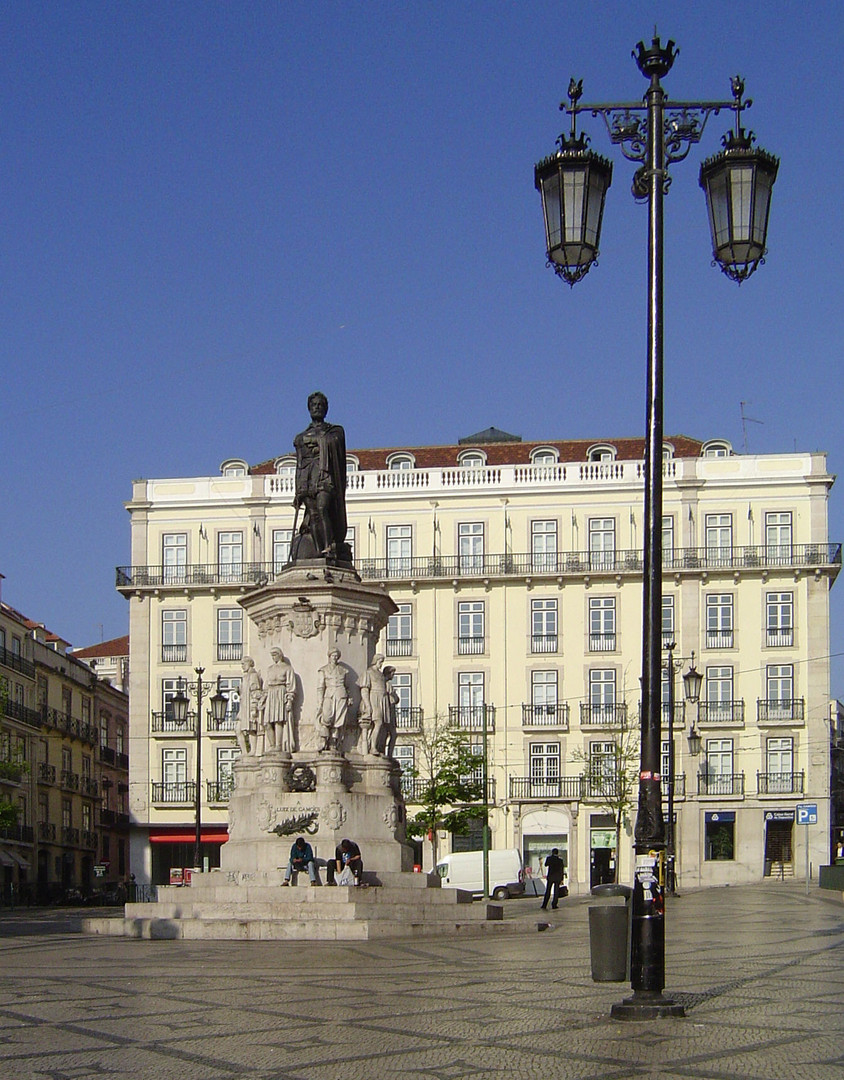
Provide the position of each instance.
(399, 462)
(471, 459)
(234, 467)
(667, 451)
(285, 466)
(716, 448)
(544, 455)
(352, 463)
(602, 452)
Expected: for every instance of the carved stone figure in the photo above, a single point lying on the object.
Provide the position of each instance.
(280, 685)
(248, 718)
(390, 714)
(375, 704)
(333, 702)
(321, 488)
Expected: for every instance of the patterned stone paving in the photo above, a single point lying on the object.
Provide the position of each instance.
(760, 970)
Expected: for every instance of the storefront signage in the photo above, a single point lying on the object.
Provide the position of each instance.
(779, 815)
(721, 815)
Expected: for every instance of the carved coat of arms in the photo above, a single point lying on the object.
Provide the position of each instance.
(304, 621)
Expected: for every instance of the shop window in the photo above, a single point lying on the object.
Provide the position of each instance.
(720, 838)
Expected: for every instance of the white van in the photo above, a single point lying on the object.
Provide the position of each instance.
(465, 870)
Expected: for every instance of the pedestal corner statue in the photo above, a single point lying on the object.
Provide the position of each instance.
(320, 492)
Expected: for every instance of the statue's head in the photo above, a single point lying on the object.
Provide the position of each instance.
(334, 655)
(276, 654)
(378, 660)
(247, 662)
(317, 405)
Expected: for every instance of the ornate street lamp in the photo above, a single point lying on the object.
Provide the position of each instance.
(179, 703)
(573, 182)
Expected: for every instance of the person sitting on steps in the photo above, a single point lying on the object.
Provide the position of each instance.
(347, 854)
(301, 858)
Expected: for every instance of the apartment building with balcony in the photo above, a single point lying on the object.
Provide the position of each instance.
(63, 765)
(517, 571)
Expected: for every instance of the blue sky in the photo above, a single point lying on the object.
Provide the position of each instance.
(208, 209)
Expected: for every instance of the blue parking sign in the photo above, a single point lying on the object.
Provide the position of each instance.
(807, 813)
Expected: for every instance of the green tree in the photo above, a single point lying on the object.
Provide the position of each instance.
(448, 787)
(8, 814)
(611, 779)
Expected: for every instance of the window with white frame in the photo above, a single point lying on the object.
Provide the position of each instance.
(470, 547)
(169, 689)
(230, 555)
(226, 757)
(470, 627)
(603, 768)
(405, 755)
(472, 459)
(544, 761)
(602, 701)
(716, 449)
(779, 766)
(352, 464)
(402, 683)
(543, 626)
(718, 706)
(174, 556)
(601, 623)
(119, 737)
(719, 621)
(543, 695)
(174, 773)
(779, 691)
(229, 633)
(668, 539)
(601, 453)
(174, 636)
(399, 550)
(719, 539)
(351, 541)
(718, 768)
(601, 543)
(667, 620)
(543, 545)
(400, 632)
(400, 463)
(230, 689)
(778, 537)
(282, 539)
(470, 698)
(544, 456)
(779, 619)
(286, 467)
(665, 762)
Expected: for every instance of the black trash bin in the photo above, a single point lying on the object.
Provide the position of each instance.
(609, 934)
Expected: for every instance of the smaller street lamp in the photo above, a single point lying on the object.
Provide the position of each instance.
(179, 703)
(692, 682)
(691, 689)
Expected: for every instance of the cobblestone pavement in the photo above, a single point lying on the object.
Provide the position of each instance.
(760, 970)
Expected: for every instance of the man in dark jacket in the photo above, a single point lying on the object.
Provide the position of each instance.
(346, 854)
(301, 858)
(554, 868)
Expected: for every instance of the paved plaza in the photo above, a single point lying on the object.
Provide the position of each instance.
(760, 970)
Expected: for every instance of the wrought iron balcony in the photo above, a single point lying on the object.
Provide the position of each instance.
(679, 715)
(24, 833)
(24, 715)
(88, 838)
(472, 717)
(164, 723)
(679, 786)
(122, 761)
(603, 714)
(717, 784)
(183, 791)
(399, 646)
(719, 639)
(89, 786)
(69, 780)
(46, 773)
(227, 724)
(47, 831)
(776, 638)
(773, 711)
(15, 662)
(566, 788)
(108, 817)
(556, 716)
(219, 791)
(107, 755)
(409, 718)
(174, 654)
(232, 650)
(70, 835)
(544, 643)
(471, 646)
(721, 713)
(413, 788)
(602, 642)
(523, 565)
(789, 783)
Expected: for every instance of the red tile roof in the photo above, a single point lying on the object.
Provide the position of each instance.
(118, 646)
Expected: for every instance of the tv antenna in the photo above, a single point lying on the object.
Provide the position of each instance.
(745, 420)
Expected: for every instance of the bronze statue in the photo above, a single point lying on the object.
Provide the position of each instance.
(320, 488)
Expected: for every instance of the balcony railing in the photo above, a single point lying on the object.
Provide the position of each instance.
(499, 565)
(603, 714)
(183, 791)
(679, 715)
(544, 643)
(46, 773)
(413, 788)
(88, 838)
(472, 717)
(164, 723)
(47, 831)
(719, 639)
(399, 646)
(409, 718)
(776, 639)
(716, 784)
(789, 783)
(556, 715)
(174, 654)
(107, 755)
(560, 787)
(24, 833)
(24, 715)
(89, 786)
(470, 646)
(780, 712)
(602, 642)
(679, 786)
(70, 835)
(721, 713)
(63, 721)
(122, 761)
(219, 791)
(232, 650)
(16, 662)
(108, 817)
(69, 780)
(227, 724)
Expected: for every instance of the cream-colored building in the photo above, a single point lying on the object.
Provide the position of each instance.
(518, 573)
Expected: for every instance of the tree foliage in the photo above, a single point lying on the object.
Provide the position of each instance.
(8, 814)
(449, 788)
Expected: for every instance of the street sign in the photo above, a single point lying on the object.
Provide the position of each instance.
(807, 813)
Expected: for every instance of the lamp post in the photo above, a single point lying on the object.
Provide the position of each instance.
(573, 183)
(691, 689)
(179, 704)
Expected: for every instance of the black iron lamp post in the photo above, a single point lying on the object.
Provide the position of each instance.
(179, 704)
(691, 690)
(573, 182)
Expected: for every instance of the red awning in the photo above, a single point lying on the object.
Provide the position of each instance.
(180, 836)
